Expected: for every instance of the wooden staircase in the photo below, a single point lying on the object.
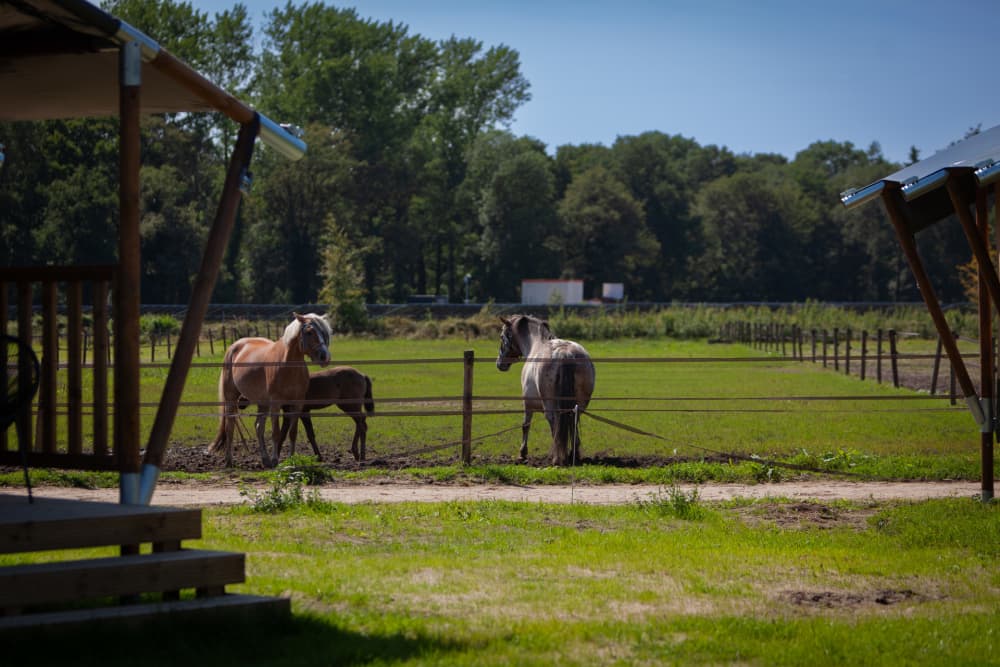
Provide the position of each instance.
(119, 588)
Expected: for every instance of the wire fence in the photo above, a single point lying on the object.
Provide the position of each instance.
(831, 350)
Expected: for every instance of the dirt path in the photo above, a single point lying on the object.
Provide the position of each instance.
(201, 494)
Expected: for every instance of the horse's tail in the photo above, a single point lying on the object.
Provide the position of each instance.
(566, 388)
(369, 401)
(219, 443)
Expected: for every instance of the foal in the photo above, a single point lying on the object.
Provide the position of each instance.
(348, 389)
(272, 374)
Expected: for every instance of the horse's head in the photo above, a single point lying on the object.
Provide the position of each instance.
(314, 337)
(510, 351)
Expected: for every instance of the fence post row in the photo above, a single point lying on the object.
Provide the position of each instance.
(773, 336)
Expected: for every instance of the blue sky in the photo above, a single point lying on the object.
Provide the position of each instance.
(758, 76)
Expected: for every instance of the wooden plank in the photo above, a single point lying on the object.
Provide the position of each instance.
(72, 581)
(223, 608)
(51, 523)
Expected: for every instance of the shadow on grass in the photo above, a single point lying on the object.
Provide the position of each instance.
(297, 640)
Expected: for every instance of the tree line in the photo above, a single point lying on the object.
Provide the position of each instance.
(413, 180)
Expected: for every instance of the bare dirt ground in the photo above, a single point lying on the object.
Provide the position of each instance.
(204, 494)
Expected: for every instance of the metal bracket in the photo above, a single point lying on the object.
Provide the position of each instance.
(988, 425)
(976, 409)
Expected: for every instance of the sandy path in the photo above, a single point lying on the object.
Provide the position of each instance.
(198, 494)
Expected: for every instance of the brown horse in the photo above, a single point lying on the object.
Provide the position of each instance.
(348, 389)
(272, 374)
(557, 379)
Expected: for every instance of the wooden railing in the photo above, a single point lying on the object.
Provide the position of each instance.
(57, 438)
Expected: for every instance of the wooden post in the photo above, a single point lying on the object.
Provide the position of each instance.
(894, 358)
(74, 374)
(47, 386)
(24, 433)
(836, 349)
(201, 292)
(101, 346)
(878, 356)
(892, 199)
(824, 348)
(936, 368)
(847, 353)
(469, 361)
(813, 333)
(211, 343)
(864, 351)
(126, 292)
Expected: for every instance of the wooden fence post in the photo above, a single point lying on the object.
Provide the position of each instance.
(211, 343)
(469, 360)
(878, 356)
(847, 353)
(864, 351)
(836, 348)
(894, 357)
(824, 348)
(937, 367)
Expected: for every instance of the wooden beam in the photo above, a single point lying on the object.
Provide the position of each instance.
(127, 291)
(892, 200)
(201, 293)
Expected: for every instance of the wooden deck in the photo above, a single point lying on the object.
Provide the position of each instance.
(79, 591)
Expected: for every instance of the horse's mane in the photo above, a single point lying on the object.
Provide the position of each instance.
(292, 330)
(543, 326)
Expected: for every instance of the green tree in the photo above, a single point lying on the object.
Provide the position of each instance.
(286, 217)
(511, 186)
(343, 280)
(603, 236)
(754, 227)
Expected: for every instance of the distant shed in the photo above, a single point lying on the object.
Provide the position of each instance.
(541, 292)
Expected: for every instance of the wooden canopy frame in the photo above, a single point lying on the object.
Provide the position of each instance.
(66, 59)
(959, 181)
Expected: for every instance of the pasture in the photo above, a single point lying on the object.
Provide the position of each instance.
(700, 400)
(671, 580)
(667, 580)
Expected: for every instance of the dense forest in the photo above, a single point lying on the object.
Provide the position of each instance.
(413, 181)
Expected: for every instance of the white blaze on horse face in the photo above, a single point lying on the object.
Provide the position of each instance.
(504, 359)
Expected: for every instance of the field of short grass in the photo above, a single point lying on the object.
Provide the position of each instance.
(669, 580)
(698, 400)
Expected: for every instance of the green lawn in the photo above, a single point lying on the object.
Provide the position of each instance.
(670, 580)
(695, 404)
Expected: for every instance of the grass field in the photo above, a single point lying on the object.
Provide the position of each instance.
(700, 407)
(671, 580)
(667, 580)
(699, 400)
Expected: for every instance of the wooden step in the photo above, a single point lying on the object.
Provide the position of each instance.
(77, 580)
(223, 607)
(51, 523)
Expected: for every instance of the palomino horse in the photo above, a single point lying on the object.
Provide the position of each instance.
(557, 377)
(348, 389)
(272, 374)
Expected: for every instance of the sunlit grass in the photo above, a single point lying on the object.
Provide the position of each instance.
(666, 580)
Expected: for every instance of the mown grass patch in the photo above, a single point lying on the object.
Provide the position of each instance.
(498, 583)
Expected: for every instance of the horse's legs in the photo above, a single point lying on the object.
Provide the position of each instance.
(307, 422)
(525, 428)
(279, 431)
(558, 449)
(362, 430)
(229, 425)
(259, 425)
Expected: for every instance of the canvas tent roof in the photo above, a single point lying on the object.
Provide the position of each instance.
(59, 59)
(975, 162)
